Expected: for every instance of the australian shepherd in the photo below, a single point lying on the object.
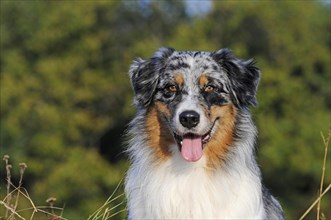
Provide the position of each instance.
(192, 142)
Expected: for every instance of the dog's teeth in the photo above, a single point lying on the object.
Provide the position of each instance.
(181, 142)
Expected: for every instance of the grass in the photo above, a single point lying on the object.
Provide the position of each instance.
(17, 203)
(319, 215)
(11, 209)
(16, 195)
(106, 211)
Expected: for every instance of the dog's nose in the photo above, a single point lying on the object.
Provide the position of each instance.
(189, 119)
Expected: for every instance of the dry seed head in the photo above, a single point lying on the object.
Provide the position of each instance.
(22, 166)
(51, 200)
(6, 158)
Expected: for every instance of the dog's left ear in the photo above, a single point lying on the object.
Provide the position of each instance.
(243, 75)
(144, 75)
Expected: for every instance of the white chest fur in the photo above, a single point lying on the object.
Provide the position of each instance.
(177, 189)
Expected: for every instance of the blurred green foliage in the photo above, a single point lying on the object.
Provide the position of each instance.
(65, 95)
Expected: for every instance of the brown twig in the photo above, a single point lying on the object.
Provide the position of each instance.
(12, 211)
(315, 202)
(326, 144)
(51, 202)
(22, 166)
(8, 196)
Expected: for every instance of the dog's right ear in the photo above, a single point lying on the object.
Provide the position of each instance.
(144, 76)
(244, 77)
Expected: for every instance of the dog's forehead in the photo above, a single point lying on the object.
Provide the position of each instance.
(191, 65)
(191, 60)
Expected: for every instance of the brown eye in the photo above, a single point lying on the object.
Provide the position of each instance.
(209, 88)
(172, 88)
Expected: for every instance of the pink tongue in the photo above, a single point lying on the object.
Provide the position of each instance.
(191, 148)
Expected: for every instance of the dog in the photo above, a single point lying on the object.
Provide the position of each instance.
(192, 141)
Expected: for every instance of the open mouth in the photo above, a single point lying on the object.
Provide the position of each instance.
(191, 145)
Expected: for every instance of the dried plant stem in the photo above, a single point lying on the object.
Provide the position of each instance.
(315, 202)
(326, 144)
(116, 213)
(18, 193)
(11, 210)
(8, 195)
(51, 202)
(23, 166)
(96, 214)
(27, 196)
(40, 209)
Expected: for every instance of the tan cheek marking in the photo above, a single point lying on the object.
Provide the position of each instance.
(203, 80)
(179, 79)
(163, 108)
(159, 137)
(222, 139)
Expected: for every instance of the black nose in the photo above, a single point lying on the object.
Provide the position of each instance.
(189, 119)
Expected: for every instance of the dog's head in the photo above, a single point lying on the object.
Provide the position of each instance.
(192, 98)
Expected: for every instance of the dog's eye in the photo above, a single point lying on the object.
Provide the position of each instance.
(171, 88)
(210, 88)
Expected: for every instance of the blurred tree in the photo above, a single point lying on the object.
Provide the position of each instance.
(61, 88)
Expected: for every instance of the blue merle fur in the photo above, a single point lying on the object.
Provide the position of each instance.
(144, 75)
(243, 75)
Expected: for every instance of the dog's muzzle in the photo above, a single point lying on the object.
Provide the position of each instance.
(191, 144)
